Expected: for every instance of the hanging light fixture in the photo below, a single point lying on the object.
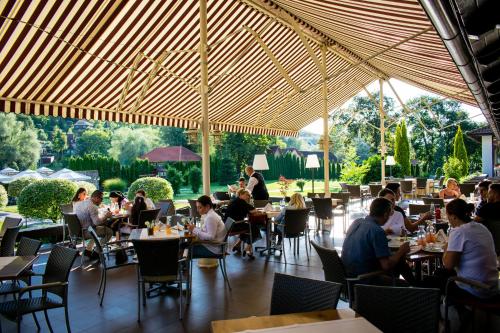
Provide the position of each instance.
(321, 143)
(217, 136)
(192, 135)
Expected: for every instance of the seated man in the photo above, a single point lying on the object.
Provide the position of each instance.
(88, 214)
(238, 210)
(483, 188)
(365, 247)
(408, 224)
(491, 210)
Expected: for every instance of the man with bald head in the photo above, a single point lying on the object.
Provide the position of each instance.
(256, 184)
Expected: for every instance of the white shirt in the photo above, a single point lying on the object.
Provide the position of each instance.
(88, 213)
(251, 183)
(395, 223)
(212, 229)
(478, 259)
(149, 203)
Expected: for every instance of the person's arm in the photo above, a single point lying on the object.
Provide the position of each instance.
(454, 248)
(441, 193)
(382, 252)
(413, 226)
(451, 259)
(251, 183)
(210, 232)
(94, 215)
(387, 263)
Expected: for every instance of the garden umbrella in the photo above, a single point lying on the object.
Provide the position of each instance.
(4, 179)
(9, 172)
(28, 173)
(69, 175)
(45, 171)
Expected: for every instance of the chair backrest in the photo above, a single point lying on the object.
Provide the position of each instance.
(374, 189)
(354, 191)
(174, 219)
(467, 188)
(171, 208)
(147, 215)
(397, 309)
(292, 294)
(228, 225)
(28, 247)
(311, 195)
(322, 208)
(8, 242)
(222, 196)
(344, 196)
(417, 209)
(406, 186)
(74, 225)
(494, 228)
(296, 221)
(193, 211)
(260, 203)
(66, 208)
(164, 208)
(157, 258)
(10, 222)
(332, 265)
(441, 182)
(344, 187)
(58, 266)
(421, 183)
(436, 201)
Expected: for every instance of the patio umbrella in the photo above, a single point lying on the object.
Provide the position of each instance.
(55, 174)
(9, 172)
(45, 171)
(69, 175)
(28, 173)
(5, 179)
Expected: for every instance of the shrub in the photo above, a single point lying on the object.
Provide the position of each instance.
(439, 172)
(156, 188)
(175, 178)
(42, 199)
(354, 174)
(89, 187)
(195, 179)
(114, 184)
(300, 183)
(3, 197)
(16, 186)
(453, 168)
(374, 173)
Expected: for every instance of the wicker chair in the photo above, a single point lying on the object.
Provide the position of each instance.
(293, 294)
(322, 211)
(407, 188)
(467, 188)
(332, 267)
(54, 282)
(9, 222)
(494, 228)
(355, 192)
(311, 195)
(439, 184)
(158, 262)
(193, 211)
(8, 242)
(374, 189)
(417, 209)
(421, 186)
(343, 205)
(67, 208)
(295, 226)
(260, 203)
(436, 201)
(398, 309)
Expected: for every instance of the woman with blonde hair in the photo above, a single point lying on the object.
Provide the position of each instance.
(296, 202)
(451, 191)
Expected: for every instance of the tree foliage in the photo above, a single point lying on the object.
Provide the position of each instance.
(3, 197)
(175, 178)
(114, 184)
(94, 141)
(128, 144)
(156, 188)
(17, 185)
(89, 187)
(460, 152)
(402, 148)
(59, 141)
(19, 146)
(195, 179)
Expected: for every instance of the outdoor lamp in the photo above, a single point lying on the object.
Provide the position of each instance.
(260, 162)
(217, 137)
(390, 161)
(192, 135)
(312, 163)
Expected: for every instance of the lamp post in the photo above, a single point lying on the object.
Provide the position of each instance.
(390, 162)
(312, 163)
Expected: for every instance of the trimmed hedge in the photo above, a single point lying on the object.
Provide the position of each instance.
(114, 184)
(16, 186)
(43, 198)
(89, 187)
(3, 197)
(156, 188)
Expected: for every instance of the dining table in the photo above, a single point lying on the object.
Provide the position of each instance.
(12, 267)
(160, 234)
(341, 320)
(269, 215)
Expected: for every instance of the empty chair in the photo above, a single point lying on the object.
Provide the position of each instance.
(436, 201)
(421, 186)
(171, 208)
(164, 207)
(149, 215)
(439, 184)
(222, 196)
(398, 309)
(354, 191)
(344, 187)
(295, 226)
(417, 209)
(322, 212)
(8, 242)
(54, 283)
(407, 188)
(67, 208)
(75, 231)
(374, 189)
(342, 204)
(292, 294)
(332, 267)
(467, 188)
(260, 203)
(9, 222)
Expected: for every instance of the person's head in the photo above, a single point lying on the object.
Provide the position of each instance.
(381, 209)
(241, 182)
(116, 196)
(494, 193)
(452, 184)
(297, 201)
(483, 188)
(459, 212)
(80, 195)
(388, 194)
(396, 188)
(244, 194)
(203, 204)
(249, 170)
(140, 192)
(96, 197)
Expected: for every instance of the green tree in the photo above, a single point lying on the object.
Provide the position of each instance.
(402, 148)
(173, 136)
(195, 179)
(94, 141)
(175, 178)
(460, 152)
(59, 141)
(19, 146)
(128, 144)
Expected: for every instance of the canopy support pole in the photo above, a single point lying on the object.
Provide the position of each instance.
(382, 131)
(326, 131)
(205, 150)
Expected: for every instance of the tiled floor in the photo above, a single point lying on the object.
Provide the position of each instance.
(211, 300)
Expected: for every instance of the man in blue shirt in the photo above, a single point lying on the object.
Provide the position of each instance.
(365, 247)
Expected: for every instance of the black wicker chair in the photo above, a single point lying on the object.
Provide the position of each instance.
(421, 186)
(311, 195)
(343, 205)
(407, 188)
(222, 196)
(54, 283)
(148, 215)
(292, 294)
(260, 203)
(9, 222)
(158, 262)
(323, 211)
(8, 242)
(415, 209)
(333, 267)
(467, 188)
(374, 189)
(295, 226)
(398, 309)
(436, 201)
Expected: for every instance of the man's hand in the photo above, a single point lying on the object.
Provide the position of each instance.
(404, 248)
(108, 214)
(190, 227)
(425, 216)
(389, 231)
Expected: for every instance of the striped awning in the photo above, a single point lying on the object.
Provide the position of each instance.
(138, 61)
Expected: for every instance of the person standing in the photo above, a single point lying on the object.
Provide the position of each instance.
(256, 184)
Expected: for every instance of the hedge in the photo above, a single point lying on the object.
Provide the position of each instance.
(3, 197)
(17, 185)
(114, 184)
(156, 188)
(43, 198)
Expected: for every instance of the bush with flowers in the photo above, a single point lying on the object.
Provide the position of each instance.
(284, 185)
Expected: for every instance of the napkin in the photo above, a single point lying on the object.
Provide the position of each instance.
(268, 207)
(441, 236)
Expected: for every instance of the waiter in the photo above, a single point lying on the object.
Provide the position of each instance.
(256, 184)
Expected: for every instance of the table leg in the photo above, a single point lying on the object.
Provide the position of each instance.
(418, 271)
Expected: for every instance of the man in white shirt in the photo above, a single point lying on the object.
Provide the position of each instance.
(256, 184)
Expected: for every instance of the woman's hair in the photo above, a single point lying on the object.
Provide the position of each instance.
(393, 187)
(243, 191)
(450, 180)
(77, 194)
(141, 192)
(119, 195)
(138, 206)
(205, 200)
(297, 201)
(461, 209)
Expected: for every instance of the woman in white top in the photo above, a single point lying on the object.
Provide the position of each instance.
(296, 202)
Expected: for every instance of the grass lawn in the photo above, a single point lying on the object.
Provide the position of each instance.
(9, 209)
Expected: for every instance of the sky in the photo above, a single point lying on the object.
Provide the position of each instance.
(406, 92)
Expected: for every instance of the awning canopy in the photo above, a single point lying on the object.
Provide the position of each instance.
(138, 61)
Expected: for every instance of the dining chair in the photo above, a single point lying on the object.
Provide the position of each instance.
(355, 192)
(164, 207)
(193, 211)
(9, 222)
(407, 188)
(295, 226)
(333, 267)
(8, 242)
(54, 283)
(467, 188)
(343, 205)
(292, 294)
(421, 186)
(436, 201)
(375, 189)
(398, 309)
(439, 184)
(323, 211)
(260, 203)
(494, 227)
(311, 195)
(415, 209)
(222, 196)
(147, 215)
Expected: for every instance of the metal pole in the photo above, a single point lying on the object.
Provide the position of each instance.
(326, 136)
(382, 130)
(205, 127)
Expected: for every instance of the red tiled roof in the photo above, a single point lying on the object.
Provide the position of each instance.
(171, 154)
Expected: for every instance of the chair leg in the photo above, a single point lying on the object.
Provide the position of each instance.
(283, 248)
(36, 320)
(224, 271)
(143, 284)
(138, 301)
(104, 284)
(307, 252)
(47, 320)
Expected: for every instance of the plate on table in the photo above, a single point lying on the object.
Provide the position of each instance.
(396, 242)
(434, 248)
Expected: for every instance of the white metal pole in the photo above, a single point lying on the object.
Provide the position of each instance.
(205, 126)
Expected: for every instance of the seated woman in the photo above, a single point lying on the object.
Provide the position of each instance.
(238, 210)
(138, 206)
(118, 201)
(451, 191)
(296, 202)
(148, 201)
(80, 195)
